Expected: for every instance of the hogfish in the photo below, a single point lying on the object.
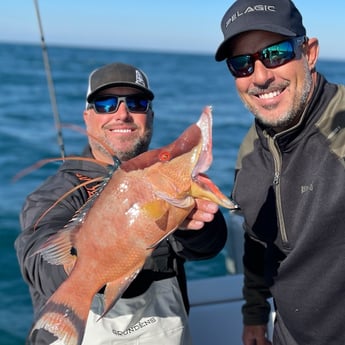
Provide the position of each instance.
(144, 201)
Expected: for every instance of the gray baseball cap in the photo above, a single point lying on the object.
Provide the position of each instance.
(278, 16)
(117, 74)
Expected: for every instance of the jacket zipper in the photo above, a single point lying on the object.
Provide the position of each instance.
(276, 185)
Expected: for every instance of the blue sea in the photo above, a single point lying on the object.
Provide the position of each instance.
(183, 85)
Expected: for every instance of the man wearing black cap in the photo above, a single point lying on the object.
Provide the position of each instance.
(154, 308)
(290, 176)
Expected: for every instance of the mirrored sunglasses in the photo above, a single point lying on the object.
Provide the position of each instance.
(109, 104)
(272, 56)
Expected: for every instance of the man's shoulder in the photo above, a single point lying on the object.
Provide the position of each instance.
(332, 122)
(247, 145)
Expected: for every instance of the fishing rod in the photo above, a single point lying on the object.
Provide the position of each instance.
(50, 85)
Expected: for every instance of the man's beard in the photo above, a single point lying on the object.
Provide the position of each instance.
(139, 146)
(292, 115)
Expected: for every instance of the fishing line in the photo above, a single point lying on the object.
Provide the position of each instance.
(50, 85)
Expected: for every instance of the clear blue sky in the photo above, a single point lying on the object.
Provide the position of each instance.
(176, 25)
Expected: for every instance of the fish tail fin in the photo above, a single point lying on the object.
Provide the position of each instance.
(62, 321)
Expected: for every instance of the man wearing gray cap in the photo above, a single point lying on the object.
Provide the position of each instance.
(154, 308)
(290, 176)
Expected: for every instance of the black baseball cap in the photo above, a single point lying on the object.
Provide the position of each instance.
(278, 16)
(118, 74)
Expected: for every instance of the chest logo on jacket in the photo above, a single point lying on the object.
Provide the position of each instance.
(307, 188)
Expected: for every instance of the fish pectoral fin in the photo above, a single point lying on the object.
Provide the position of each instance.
(158, 210)
(155, 209)
(115, 289)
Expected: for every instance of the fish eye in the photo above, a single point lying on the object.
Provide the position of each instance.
(164, 156)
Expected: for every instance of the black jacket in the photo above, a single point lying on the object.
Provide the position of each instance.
(291, 189)
(43, 278)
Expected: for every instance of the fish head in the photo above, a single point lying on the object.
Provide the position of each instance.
(178, 169)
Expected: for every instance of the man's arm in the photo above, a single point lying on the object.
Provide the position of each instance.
(42, 277)
(255, 292)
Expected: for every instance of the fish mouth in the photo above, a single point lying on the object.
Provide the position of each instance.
(205, 149)
(202, 186)
(189, 156)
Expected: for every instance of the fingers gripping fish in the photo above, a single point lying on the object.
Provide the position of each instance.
(144, 201)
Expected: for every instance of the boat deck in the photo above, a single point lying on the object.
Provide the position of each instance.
(215, 315)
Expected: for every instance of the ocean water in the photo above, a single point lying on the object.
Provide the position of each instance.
(183, 85)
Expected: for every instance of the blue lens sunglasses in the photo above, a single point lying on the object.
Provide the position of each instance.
(109, 104)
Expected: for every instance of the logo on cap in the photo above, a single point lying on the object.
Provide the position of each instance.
(139, 79)
(249, 9)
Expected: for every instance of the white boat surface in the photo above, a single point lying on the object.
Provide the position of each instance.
(216, 302)
(215, 315)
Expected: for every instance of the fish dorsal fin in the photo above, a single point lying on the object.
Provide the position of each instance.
(57, 249)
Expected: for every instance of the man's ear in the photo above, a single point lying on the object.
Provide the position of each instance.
(86, 114)
(312, 52)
